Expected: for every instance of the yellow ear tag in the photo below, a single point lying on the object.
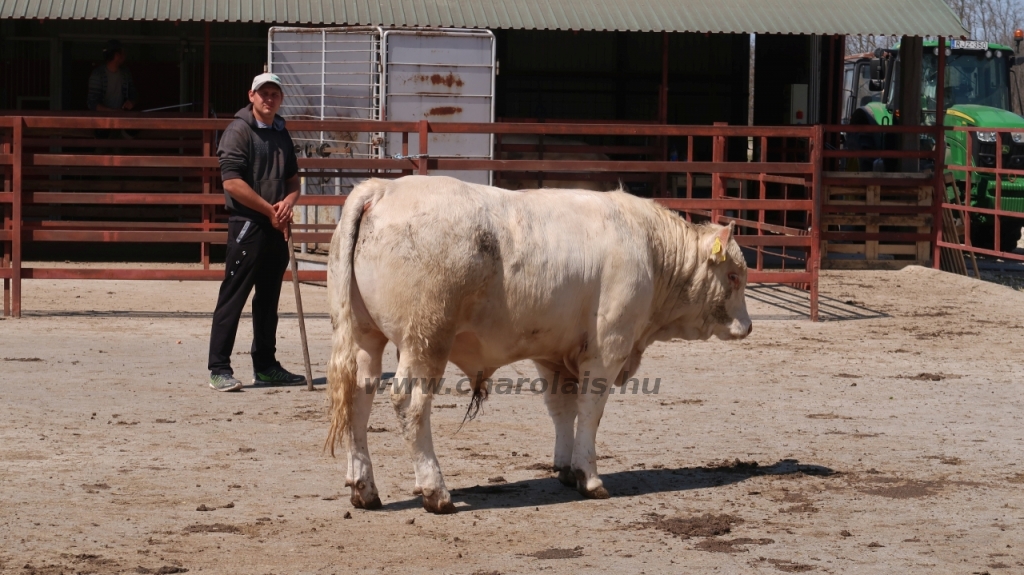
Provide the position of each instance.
(716, 250)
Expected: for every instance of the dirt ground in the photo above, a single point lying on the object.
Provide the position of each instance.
(886, 439)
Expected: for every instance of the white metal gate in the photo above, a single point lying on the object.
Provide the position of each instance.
(328, 74)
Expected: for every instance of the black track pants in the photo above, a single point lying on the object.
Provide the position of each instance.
(257, 255)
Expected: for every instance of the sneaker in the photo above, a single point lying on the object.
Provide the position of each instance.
(277, 376)
(224, 382)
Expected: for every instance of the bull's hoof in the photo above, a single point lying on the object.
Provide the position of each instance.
(439, 502)
(566, 476)
(369, 503)
(363, 497)
(442, 509)
(598, 492)
(417, 490)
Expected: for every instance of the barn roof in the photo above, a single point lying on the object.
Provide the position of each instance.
(881, 17)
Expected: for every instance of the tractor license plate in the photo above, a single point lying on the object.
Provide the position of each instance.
(968, 45)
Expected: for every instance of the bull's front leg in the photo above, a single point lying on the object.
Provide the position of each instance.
(411, 396)
(590, 402)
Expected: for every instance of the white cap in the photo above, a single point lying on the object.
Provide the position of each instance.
(266, 78)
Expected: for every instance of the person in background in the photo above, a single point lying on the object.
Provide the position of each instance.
(111, 88)
(261, 184)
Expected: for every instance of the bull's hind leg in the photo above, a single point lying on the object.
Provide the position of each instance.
(560, 397)
(590, 402)
(360, 469)
(411, 395)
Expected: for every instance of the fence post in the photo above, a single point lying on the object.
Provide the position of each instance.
(717, 156)
(405, 151)
(16, 218)
(939, 188)
(814, 258)
(204, 251)
(939, 198)
(5, 218)
(421, 162)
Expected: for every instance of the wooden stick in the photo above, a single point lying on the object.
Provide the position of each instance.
(298, 308)
(974, 259)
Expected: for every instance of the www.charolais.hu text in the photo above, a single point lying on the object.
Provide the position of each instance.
(509, 386)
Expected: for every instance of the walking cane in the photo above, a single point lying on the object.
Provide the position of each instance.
(298, 308)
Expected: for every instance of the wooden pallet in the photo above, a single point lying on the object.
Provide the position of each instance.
(877, 254)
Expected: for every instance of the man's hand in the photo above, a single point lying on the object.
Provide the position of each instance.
(283, 215)
(283, 210)
(283, 227)
(128, 105)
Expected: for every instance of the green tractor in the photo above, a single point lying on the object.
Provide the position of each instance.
(977, 94)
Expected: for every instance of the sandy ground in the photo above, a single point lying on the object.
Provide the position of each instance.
(887, 439)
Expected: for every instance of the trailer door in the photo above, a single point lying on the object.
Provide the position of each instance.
(441, 76)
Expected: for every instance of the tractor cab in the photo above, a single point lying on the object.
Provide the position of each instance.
(977, 74)
(857, 84)
(976, 92)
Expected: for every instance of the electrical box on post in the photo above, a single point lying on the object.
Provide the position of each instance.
(797, 103)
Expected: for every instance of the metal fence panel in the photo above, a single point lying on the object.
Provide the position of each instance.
(329, 74)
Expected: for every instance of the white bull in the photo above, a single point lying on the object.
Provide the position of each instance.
(577, 281)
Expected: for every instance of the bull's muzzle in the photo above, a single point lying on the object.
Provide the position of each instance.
(740, 328)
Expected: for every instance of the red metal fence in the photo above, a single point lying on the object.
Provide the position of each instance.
(10, 204)
(55, 165)
(992, 182)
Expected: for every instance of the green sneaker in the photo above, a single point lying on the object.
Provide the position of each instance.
(277, 376)
(224, 382)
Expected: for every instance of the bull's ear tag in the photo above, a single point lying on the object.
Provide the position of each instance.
(717, 251)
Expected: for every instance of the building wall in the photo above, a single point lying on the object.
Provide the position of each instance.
(550, 74)
(616, 76)
(53, 59)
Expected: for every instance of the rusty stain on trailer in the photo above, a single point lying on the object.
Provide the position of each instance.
(448, 80)
(444, 111)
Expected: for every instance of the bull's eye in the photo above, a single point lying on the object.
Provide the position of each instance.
(734, 280)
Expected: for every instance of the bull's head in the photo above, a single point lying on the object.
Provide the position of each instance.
(726, 307)
(709, 299)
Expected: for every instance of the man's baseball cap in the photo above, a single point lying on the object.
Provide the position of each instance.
(266, 78)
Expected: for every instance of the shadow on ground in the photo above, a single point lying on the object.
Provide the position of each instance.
(261, 385)
(796, 304)
(635, 482)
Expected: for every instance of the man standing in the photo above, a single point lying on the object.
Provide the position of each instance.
(111, 88)
(261, 185)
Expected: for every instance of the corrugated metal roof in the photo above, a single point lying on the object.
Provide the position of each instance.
(881, 17)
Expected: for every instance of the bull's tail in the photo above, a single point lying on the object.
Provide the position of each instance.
(341, 371)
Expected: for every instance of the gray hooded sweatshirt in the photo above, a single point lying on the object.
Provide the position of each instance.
(262, 157)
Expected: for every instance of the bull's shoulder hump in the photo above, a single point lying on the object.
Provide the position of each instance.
(445, 185)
